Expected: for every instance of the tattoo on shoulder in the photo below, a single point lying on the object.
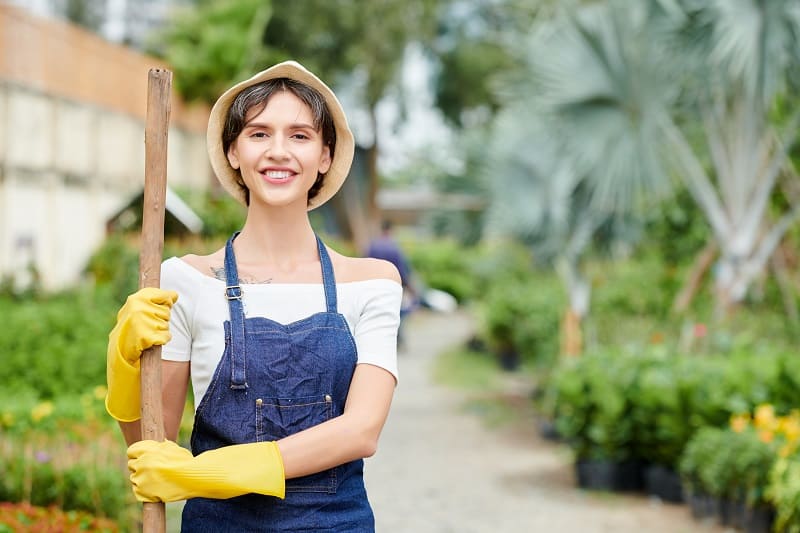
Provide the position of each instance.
(219, 273)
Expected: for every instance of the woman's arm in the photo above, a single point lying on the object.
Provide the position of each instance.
(174, 384)
(353, 435)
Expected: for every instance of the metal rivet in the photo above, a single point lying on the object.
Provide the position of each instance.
(259, 402)
(328, 398)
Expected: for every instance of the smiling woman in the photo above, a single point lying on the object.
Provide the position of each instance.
(293, 375)
(280, 146)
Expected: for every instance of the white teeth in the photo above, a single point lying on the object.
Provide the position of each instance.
(277, 174)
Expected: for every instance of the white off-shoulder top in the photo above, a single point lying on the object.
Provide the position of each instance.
(370, 307)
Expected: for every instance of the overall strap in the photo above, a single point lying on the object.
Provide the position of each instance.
(328, 279)
(233, 292)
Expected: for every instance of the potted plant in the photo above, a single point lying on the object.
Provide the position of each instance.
(784, 493)
(661, 414)
(692, 466)
(592, 410)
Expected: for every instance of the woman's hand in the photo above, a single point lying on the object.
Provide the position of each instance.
(166, 472)
(141, 323)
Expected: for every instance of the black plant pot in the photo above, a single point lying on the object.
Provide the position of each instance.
(702, 505)
(548, 431)
(758, 519)
(509, 359)
(609, 475)
(663, 483)
(731, 512)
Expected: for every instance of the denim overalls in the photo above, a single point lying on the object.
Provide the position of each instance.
(274, 380)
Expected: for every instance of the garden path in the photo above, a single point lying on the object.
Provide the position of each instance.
(440, 469)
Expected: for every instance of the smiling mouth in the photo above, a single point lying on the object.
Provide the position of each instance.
(277, 174)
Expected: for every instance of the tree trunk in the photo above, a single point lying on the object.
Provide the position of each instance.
(373, 179)
(579, 292)
(785, 284)
(701, 264)
(571, 334)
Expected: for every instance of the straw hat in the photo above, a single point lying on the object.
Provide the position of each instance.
(345, 145)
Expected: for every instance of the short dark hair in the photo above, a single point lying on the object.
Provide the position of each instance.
(256, 97)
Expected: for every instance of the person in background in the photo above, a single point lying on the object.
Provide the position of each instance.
(386, 247)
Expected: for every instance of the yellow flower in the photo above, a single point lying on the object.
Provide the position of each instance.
(765, 417)
(790, 427)
(787, 450)
(7, 419)
(100, 392)
(43, 410)
(766, 436)
(739, 422)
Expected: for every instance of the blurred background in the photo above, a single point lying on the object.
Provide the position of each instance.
(609, 190)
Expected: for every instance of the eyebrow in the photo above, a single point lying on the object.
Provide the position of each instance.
(296, 125)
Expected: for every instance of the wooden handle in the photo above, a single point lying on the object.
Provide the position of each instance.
(159, 83)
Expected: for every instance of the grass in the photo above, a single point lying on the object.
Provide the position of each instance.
(498, 397)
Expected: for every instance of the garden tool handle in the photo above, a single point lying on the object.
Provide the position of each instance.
(159, 83)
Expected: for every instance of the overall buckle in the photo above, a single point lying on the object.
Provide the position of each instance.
(233, 292)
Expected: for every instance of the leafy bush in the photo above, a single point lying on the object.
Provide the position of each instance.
(591, 406)
(784, 493)
(55, 345)
(89, 476)
(115, 264)
(443, 265)
(730, 463)
(666, 399)
(523, 317)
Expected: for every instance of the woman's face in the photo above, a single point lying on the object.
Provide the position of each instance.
(279, 152)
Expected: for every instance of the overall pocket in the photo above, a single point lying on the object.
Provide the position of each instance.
(277, 418)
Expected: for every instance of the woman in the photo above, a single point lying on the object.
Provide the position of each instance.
(290, 346)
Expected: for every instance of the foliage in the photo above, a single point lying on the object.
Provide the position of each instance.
(663, 400)
(222, 215)
(212, 44)
(630, 113)
(115, 264)
(64, 453)
(784, 493)
(26, 517)
(443, 265)
(56, 345)
(523, 316)
(589, 401)
(738, 462)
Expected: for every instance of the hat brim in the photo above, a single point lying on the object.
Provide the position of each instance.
(343, 152)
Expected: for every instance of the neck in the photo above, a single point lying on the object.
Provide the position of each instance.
(279, 237)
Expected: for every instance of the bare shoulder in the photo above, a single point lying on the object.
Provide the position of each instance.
(349, 269)
(209, 265)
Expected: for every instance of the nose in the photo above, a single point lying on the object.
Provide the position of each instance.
(278, 148)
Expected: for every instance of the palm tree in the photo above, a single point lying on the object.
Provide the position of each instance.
(539, 197)
(636, 92)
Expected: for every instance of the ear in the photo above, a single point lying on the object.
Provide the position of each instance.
(233, 156)
(325, 160)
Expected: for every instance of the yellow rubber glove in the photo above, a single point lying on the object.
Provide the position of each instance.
(141, 323)
(165, 472)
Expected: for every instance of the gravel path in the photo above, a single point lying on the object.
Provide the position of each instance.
(439, 469)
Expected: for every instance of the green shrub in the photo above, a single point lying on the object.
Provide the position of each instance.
(55, 345)
(115, 264)
(44, 470)
(443, 265)
(522, 317)
(729, 464)
(784, 493)
(591, 406)
(665, 399)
